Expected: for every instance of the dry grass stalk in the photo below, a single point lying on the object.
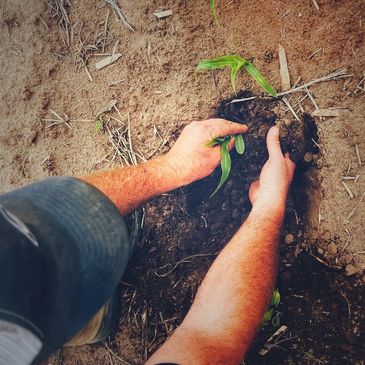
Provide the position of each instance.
(59, 10)
(315, 4)
(184, 260)
(285, 100)
(121, 140)
(358, 154)
(339, 74)
(356, 206)
(314, 53)
(348, 190)
(115, 355)
(119, 14)
(57, 120)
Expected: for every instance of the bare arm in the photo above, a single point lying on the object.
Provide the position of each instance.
(188, 160)
(230, 303)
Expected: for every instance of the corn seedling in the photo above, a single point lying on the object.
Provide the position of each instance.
(225, 156)
(214, 11)
(236, 63)
(272, 314)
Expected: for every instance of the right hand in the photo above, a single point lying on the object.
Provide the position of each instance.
(271, 189)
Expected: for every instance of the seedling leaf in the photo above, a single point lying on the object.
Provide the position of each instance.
(225, 164)
(218, 140)
(254, 72)
(268, 315)
(214, 11)
(239, 144)
(235, 63)
(275, 300)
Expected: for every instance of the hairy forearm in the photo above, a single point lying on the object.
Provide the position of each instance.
(230, 303)
(129, 187)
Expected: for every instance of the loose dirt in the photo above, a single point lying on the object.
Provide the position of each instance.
(322, 249)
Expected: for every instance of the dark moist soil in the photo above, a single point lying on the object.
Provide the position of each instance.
(186, 229)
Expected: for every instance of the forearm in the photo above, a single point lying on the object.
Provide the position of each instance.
(231, 301)
(129, 187)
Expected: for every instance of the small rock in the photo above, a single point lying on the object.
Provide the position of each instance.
(332, 248)
(346, 259)
(350, 270)
(308, 157)
(289, 238)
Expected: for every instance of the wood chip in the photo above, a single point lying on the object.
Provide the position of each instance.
(284, 71)
(356, 206)
(163, 14)
(107, 61)
(327, 113)
(270, 343)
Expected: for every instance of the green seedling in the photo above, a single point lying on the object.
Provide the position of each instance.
(272, 314)
(225, 156)
(214, 11)
(99, 125)
(236, 63)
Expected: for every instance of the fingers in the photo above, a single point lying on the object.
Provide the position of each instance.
(231, 144)
(273, 143)
(222, 127)
(289, 163)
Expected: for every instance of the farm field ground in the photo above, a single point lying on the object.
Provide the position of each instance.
(60, 116)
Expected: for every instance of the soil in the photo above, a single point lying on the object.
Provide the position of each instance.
(322, 257)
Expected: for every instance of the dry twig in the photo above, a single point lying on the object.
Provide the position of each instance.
(119, 14)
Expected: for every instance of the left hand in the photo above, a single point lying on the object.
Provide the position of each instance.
(190, 156)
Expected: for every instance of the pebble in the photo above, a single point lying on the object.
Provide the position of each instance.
(332, 248)
(308, 157)
(350, 270)
(289, 238)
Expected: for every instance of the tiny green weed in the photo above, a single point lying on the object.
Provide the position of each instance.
(99, 125)
(225, 156)
(272, 314)
(236, 63)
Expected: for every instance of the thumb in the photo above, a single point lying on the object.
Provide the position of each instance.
(273, 143)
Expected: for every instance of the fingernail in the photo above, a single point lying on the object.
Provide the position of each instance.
(275, 131)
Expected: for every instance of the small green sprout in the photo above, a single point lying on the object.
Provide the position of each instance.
(236, 63)
(272, 314)
(99, 125)
(225, 156)
(214, 11)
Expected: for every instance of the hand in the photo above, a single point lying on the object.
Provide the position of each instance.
(269, 192)
(190, 156)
